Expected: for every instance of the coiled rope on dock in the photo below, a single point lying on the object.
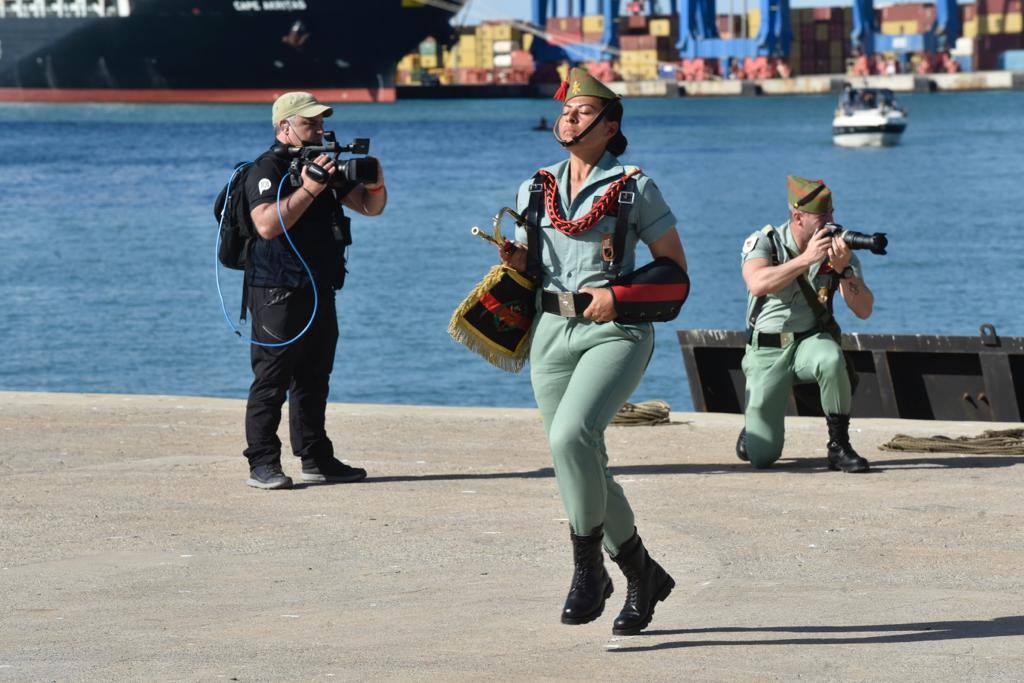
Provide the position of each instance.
(648, 413)
(989, 442)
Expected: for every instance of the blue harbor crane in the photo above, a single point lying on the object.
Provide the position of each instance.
(699, 37)
(698, 31)
(943, 34)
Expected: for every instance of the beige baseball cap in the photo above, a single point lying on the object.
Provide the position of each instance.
(301, 103)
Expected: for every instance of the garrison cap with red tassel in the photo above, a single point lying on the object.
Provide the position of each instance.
(582, 84)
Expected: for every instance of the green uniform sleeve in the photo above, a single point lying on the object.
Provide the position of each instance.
(758, 245)
(654, 218)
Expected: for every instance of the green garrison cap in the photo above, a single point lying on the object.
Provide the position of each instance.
(809, 196)
(582, 84)
(301, 103)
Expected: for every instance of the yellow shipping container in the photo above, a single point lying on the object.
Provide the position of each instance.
(1000, 23)
(660, 27)
(754, 23)
(971, 28)
(428, 61)
(485, 60)
(639, 73)
(527, 41)
(639, 57)
(409, 62)
(593, 23)
(899, 28)
(507, 32)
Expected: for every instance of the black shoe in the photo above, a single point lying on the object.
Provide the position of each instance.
(591, 584)
(647, 584)
(268, 477)
(841, 455)
(333, 470)
(741, 446)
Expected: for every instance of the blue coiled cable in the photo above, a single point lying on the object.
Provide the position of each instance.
(216, 262)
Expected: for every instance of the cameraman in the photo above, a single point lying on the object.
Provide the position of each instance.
(792, 273)
(280, 297)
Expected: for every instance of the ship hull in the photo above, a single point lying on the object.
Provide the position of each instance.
(218, 51)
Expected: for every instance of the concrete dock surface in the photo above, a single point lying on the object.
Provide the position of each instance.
(131, 549)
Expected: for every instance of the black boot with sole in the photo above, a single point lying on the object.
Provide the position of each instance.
(647, 584)
(591, 584)
(841, 455)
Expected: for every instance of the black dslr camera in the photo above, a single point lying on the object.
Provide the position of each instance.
(347, 171)
(858, 240)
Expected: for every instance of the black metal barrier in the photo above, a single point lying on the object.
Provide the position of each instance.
(922, 377)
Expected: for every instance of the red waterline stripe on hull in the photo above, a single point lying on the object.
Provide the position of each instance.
(208, 95)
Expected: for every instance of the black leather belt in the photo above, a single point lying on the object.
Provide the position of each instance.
(565, 304)
(778, 340)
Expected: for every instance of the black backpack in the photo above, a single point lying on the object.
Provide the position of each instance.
(236, 229)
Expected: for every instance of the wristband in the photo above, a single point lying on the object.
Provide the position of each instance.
(307, 191)
(376, 189)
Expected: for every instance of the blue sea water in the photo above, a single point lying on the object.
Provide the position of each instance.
(107, 236)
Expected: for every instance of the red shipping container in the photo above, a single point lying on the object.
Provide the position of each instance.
(636, 22)
(565, 25)
(836, 32)
(560, 38)
(827, 14)
(595, 38)
(999, 6)
(970, 12)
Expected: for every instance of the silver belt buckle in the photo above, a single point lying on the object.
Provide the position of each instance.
(785, 339)
(566, 305)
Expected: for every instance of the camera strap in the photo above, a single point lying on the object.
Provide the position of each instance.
(826, 321)
(769, 232)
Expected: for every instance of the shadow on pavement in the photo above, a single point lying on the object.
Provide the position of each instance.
(793, 466)
(921, 632)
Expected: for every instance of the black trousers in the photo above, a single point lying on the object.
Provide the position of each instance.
(300, 371)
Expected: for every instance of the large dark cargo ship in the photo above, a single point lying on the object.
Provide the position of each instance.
(208, 50)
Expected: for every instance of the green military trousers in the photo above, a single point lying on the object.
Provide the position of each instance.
(582, 372)
(771, 373)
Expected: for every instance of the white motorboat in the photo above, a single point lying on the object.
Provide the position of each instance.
(868, 117)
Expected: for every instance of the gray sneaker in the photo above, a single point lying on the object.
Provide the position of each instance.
(332, 470)
(268, 477)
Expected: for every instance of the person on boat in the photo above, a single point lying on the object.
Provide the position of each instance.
(792, 273)
(585, 364)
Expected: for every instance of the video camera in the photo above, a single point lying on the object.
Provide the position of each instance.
(858, 240)
(346, 171)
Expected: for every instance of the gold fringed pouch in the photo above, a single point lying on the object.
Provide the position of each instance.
(496, 318)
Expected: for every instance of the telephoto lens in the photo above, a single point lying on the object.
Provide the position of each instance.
(875, 243)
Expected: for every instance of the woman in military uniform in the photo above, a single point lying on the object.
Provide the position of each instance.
(584, 364)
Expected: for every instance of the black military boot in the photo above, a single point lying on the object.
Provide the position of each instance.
(841, 455)
(647, 584)
(591, 584)
(741, 446)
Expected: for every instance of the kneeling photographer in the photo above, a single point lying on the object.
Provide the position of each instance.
(792, 273)
(299, 186)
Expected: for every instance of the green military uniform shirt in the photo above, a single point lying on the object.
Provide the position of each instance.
(570, 263)
(785, 310)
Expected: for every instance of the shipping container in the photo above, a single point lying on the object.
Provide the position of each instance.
(1012, 60)
(504, 46)
(593, 23)
(667, 27)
